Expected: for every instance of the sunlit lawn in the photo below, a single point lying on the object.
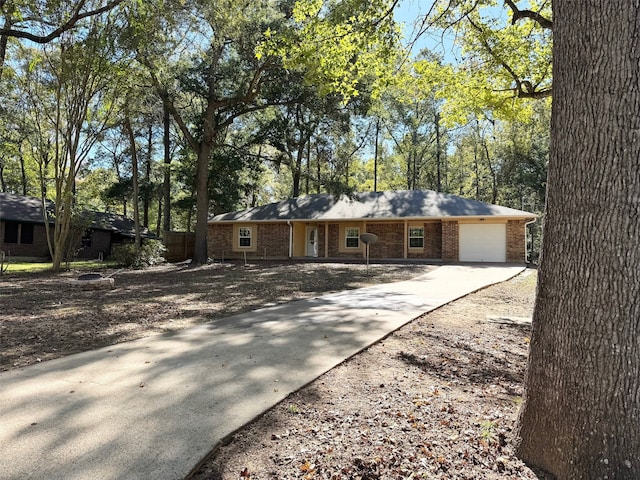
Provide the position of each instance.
(34, 267)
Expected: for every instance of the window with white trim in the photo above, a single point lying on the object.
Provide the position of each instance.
(416, 237)
(352, 237)
(244, 236)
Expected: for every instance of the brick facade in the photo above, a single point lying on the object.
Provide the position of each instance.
(450, 241)
(390, 242)
(220, 241)
(516, 241)
(273, 240)
(334, 244)
(432, 243)
(334, 239)
(441, 241)
(321, 242)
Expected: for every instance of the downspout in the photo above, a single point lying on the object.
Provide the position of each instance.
(290, 238)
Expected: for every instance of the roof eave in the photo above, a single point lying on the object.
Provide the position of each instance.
(379, 219)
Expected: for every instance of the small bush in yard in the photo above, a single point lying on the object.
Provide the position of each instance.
(150, 253)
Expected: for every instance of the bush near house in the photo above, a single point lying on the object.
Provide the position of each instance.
(129, 255)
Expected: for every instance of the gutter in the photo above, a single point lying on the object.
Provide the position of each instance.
(290, 238)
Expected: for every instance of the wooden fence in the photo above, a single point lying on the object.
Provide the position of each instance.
(179, 245)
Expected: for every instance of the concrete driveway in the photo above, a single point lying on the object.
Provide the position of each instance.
(153, 408)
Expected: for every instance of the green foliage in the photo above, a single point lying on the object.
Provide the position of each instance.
(503, 62)
(128, 255)
(308, 127)
(337, 44)
(31, 267)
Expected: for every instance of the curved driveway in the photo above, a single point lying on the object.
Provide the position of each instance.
(151, 409)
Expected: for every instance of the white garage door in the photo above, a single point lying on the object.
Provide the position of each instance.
(481, 242)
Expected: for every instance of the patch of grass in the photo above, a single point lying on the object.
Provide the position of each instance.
(36, 267)
(488, 431)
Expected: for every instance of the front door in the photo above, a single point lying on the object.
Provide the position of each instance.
(312, 242)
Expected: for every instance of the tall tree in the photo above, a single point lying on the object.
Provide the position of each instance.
(581, 413)
(135, 178)
(216, 85)
(74, 85)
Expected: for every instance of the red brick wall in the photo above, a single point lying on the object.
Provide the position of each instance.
(516, 248)
(334, 244)
(270, 238)
(441, 241)
(432, 242)
(273, 240)
(334, 239)
(390, 242)
(450, 241)
(321, 240)
(220, 241)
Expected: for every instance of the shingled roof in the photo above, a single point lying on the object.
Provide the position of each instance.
(24, 209)
(372, 205)
(20, 208)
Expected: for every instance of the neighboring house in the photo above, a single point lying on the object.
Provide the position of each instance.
(23, 234)
(410, 224)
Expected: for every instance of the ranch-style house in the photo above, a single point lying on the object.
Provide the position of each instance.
(409, 224)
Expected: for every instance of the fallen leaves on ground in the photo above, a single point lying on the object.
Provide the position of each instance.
(45, 317)
(437, 399)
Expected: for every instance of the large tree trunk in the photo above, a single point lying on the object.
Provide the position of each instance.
(147, 177)
(200, 254)
(135, 177)
(166, 186)
(581, 415)
(4, 39)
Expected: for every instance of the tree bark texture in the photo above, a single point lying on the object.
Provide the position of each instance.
(581, 415)
(166, 185)
(200, 254)
(134, 177)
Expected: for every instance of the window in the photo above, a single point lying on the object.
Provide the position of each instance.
(14, 231)
(26, 233)
(416, 237)
(86, 239)
(352, 237)
(11, 232)
(245, 237)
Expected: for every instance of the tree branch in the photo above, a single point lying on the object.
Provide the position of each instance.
(523, 88)
(68, 25)
(167, 102)
(535, 16)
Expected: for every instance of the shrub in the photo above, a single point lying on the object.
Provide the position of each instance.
(128, 255)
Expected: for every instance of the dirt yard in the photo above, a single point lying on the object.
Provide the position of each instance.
(44, 316)
(437, 399)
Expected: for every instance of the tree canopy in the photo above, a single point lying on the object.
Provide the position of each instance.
(243, 102)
